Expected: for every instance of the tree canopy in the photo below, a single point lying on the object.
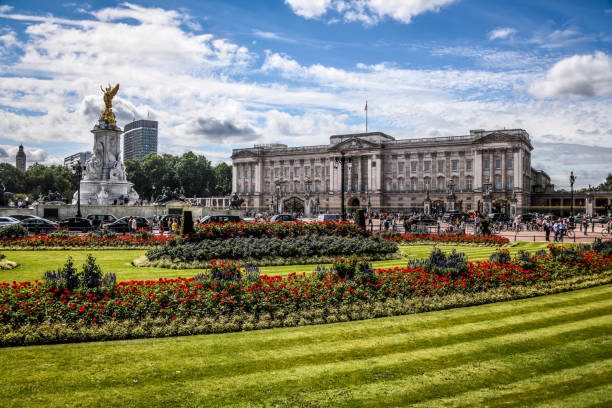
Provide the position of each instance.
(192, 172)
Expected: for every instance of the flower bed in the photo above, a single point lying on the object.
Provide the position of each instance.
(87, 241)
(251, 249)
(407, 239)
(202, 297)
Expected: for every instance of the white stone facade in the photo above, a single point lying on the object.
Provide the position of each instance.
(389, 174)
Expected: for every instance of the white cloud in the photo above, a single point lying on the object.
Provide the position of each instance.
(501, 33)
(5, 8)
(368, 12)
(579, 75)
(309, 8)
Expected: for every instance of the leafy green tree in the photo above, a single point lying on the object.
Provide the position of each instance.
(12, 178)
(223, 175)
(196, 175)
(40, 179)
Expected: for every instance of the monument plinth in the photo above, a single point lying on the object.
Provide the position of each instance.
(104, 179)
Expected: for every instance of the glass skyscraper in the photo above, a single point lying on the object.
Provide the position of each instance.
(139, 139)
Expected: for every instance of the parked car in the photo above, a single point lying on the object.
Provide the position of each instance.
(163, 223)
(21, 217)
(283, 218)
(497, 217)
(76, 224)
(424, 219)
(526, 217)
(121, 225)
(451, 216)
(100, 219)
(8, 221)
(39, 225)
(329, 217)
(602, 219)
(222, 219)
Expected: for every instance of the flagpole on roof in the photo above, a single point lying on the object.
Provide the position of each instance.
(366, 112)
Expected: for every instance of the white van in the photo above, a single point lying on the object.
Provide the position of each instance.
(329, 217)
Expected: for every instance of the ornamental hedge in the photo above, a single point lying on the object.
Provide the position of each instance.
(252, 248)
(276, 229)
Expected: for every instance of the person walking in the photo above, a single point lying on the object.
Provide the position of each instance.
(546, 225)
(585, 225)
(556, 230)
(134, 225)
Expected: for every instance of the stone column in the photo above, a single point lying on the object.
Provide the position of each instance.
(504, 170)
(359, 171)
(235, 177)
(477, 170)
(349, 176)
(492, 169)
(379, 173)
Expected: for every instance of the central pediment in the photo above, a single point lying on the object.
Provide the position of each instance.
(354, 143)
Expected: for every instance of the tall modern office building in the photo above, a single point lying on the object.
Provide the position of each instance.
(139, 139)
(20, 159)
(72, 160)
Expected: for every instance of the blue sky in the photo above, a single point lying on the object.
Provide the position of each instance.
(226, 74)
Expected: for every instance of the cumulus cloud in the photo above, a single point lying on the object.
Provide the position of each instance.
(309, 8)
(368, 12)
(3, 153)
(578, 76)
(501, 33)
(222, 131)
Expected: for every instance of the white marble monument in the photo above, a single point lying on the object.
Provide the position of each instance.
(104, 179)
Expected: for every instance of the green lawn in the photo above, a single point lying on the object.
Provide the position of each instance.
(547, 351)
(33, 264)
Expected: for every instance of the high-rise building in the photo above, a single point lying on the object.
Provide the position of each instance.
(139, 139)
(71, 160)
(20, 159)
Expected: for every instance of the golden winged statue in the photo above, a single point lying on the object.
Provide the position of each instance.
(107, 113)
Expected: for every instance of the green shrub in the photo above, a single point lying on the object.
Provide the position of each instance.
(360, 218)
(187, 223)
(91, 276)
(13, 231)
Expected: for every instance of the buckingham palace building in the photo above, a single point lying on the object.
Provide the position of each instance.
(487, 170)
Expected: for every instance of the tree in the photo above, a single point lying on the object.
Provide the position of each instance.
(196, 175)
(223, 175)
(12, 178)
(607, 185)
(40, 179)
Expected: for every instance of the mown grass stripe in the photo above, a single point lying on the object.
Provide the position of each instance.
(544, 388)
(429, 387)
(422, 379)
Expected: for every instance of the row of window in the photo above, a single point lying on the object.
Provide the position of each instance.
(413, 185)
(486, 163)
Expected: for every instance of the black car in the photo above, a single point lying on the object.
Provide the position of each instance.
(424, 219)
(221, 219)
(163, 222)
(100, 219)
(22, 217)
(39, 225)
(76, 224)
(121, 225)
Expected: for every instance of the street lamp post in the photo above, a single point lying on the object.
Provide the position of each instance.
(341, 160)
(572, 180)
(78, 171)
